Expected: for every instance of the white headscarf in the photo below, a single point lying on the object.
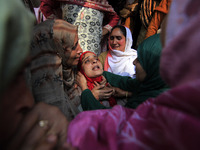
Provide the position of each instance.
(121, 63)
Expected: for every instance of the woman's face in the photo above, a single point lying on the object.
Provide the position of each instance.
(117, 40)
(91, 65)
(76, 51)
(140, 72)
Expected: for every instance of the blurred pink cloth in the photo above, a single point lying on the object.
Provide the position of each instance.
(170, 121)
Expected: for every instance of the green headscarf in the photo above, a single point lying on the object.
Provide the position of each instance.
(15, 34)
(149, 52)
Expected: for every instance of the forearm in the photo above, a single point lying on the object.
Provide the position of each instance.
(123, 82)
(48, 6)
(154, 24)
(89, 102)
(113, 20)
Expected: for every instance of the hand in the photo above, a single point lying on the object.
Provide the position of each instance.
(104, 31)
(104, 81)
(119, 93)
(50, 134)
(101, 91)
(81, 81)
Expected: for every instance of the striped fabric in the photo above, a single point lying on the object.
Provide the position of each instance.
(146, 11)
(51, 78)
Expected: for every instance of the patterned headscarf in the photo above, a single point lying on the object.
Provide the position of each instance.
(15, 31)
(51, 76)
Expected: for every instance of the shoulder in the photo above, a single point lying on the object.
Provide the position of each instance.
(102, 57)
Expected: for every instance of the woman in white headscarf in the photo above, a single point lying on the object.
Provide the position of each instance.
(120, 56)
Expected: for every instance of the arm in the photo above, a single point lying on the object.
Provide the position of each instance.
(89, 102)
(123, 82)
(113, 19)
(48, 8)
(155, 24)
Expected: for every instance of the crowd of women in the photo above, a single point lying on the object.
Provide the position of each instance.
(145, 98)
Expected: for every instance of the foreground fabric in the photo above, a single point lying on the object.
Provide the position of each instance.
(10, 65)
(170, 121)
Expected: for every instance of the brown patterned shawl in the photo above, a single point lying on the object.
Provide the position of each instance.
(51, 78)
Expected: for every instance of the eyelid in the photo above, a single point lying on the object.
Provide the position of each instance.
(119, 37)
(74, 47)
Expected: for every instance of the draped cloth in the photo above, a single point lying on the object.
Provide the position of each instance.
(147, 10)
(13, 56)
(101, 5)
(91, 81)
(119, 62)
(51, 78)
(169, 121)
(149, 53)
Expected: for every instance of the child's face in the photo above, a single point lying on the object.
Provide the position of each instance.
(92, 65)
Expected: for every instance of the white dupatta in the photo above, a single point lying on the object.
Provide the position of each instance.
(121, 63)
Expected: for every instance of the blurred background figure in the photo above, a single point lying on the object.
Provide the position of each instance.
(24, 124)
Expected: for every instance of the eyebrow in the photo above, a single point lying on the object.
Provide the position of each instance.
(87, 58)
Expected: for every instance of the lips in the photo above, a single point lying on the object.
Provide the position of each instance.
(96, 67)
(77, 58)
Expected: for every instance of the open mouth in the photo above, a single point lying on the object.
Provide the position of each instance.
(96, 67)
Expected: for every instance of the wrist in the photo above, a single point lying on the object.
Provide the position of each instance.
(84, 87)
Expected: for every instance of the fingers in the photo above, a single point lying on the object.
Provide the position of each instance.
(57, 121)
(44, 127)
(98, 86)
(81, 81)
(105, 94)
(48, 143)
(104, 81)
(28, 127)
(36, 137)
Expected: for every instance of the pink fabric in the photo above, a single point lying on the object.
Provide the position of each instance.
(169, 121)
(180, 59)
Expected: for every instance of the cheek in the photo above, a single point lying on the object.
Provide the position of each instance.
(16, 101)
(86, 69)
(122, 42)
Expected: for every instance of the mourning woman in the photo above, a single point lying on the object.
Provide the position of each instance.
(55, 52)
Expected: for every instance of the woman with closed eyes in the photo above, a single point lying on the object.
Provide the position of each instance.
(120, 56)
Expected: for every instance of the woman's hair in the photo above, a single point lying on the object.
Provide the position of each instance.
(122, 28)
